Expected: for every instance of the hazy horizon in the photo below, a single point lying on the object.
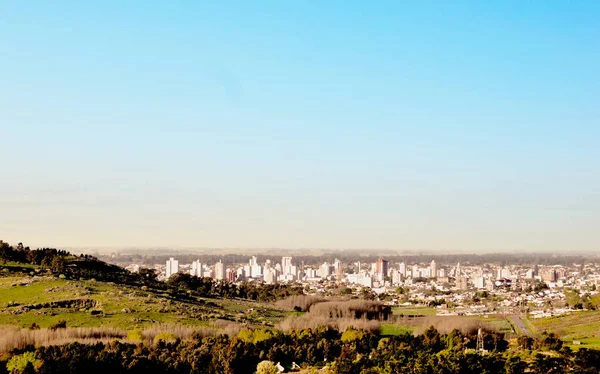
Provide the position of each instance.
(465, 125)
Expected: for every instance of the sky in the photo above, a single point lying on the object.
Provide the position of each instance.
(430, 125)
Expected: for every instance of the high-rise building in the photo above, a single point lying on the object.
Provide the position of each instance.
(382, 267)
(548, 274)
(480, 282)
(529, 274)
(337, 264)
(403, 269)
(172, 267)
(325, 270)
(433, 269)
(396, 277)
(256, 270)
(270, 276)
(462, 282)
(220, 271)
(253, 261)
(196, 269)
(231, 275)
(286, 264)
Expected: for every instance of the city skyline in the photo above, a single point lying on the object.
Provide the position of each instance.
(466, 126)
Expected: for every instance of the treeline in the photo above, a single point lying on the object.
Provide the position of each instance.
(208, 287)
(61, 262)
(353, 351)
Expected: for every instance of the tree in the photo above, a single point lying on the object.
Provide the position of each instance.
(551, 341)
(525, 342)
(546, 364)
(514, 365)
(57, 265)
(147, 273)
(266, 367)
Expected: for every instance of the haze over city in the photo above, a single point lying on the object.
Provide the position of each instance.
(464, 126)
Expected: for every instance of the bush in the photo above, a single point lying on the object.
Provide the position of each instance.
(25, 363)
(62, 324)
(135, 335)
(266, 367)
(166, 337)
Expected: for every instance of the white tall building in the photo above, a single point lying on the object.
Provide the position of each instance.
(286, 265)
(480, 282)
(325, 270)
(172, 267)
(337, 264)
(403, 269)
(433, 269)
(256, 270)
(197, 269)
(220, 271)
(270, 276)
(529, 274)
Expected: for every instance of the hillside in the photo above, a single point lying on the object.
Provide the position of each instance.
(582, 327)
(46, 300)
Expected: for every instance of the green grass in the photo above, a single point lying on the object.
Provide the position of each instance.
(389, 329)
(590, 343)
(121, 306)
(414, 311)
(582, 326)
(11, 264)
(498, 322)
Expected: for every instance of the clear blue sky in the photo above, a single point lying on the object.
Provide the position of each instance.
(432, 125)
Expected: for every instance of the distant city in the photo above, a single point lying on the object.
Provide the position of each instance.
(453, 289)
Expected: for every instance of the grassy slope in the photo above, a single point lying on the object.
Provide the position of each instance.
(121, 306)
(582, 326)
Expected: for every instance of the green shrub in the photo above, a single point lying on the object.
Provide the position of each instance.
(135, 335)
(166, 337)
(62, 324)
(266, 367)
(21, 364)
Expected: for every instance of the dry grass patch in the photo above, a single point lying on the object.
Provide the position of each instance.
(303, 302)
(12, 337)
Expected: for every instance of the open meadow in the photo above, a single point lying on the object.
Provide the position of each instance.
(582, 327)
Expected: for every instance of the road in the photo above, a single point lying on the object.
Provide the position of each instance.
(519, 325)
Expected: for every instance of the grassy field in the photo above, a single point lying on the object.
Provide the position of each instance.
(498, 322)
(388, 329)
(580, 326)
(416, 311)
(117, 306)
